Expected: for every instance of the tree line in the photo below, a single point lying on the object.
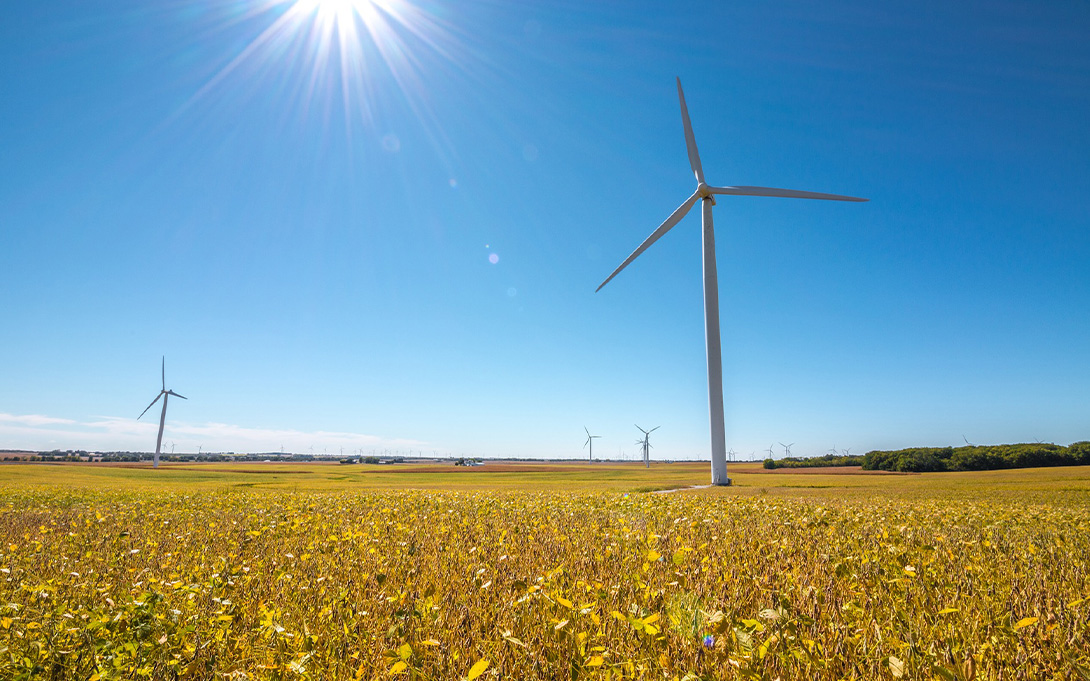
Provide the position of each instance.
(937, 459)
(978, 457)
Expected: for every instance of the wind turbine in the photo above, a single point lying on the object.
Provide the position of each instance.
(705, 194)
(165, 394)
(590, 442)
(769, 450)
(786, 449)
(646, 443)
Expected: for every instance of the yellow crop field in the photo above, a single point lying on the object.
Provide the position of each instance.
(229, 574)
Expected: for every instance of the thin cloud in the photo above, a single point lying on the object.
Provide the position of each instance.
(32, 419)
(116, 433)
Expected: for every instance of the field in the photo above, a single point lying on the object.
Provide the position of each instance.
(296, 571)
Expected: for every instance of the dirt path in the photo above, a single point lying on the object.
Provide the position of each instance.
(679, 489)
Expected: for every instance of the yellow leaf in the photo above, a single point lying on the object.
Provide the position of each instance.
(405, 651)
(1075, 604)
(947, 611)
(1025, 622)
(651, 619)
(653, 555)
(596, 661)
(563, 601)
(477, 669)
(399, 667)
(430, 642)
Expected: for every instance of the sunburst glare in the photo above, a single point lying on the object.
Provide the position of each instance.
(351, 51)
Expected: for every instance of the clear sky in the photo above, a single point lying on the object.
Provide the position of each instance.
(380, 224)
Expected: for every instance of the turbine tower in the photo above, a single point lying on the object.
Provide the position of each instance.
(165, 394)
(590, 442)
(705, 194)
(646, 444)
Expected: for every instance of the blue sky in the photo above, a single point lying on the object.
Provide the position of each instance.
(392, 241)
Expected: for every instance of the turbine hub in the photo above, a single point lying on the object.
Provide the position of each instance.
(703, 190)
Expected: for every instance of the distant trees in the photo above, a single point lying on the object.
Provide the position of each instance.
(936, 459)
(815, 461)
(978, 457)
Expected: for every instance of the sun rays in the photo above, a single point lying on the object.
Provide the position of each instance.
(354, 53)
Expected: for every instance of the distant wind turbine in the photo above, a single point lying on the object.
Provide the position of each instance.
(769, 450)
(590, 443)
(786, 449)
(165, 394)
(705, 194)
(646, 444)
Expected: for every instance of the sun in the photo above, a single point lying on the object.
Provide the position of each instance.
(351, 51)
(339, 10)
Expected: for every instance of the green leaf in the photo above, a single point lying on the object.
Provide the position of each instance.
(944, 673)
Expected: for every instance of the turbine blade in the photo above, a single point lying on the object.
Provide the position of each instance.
(690, 139)
(781, 193)
(171, 392)
(654, 429)
(164, 370)
(588, 432)
(665, 227)
(150, 405)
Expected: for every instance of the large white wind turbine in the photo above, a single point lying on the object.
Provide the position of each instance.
(705, 194)
(165, 394)
(590, 443)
